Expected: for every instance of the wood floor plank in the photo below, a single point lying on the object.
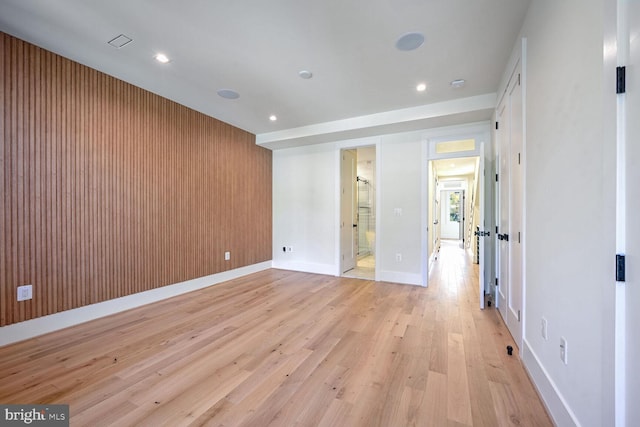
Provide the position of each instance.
(283, 348)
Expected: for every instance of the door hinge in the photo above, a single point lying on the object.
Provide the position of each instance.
(518, 315)
(496, 177)
(496, 229)
(518, 237)
(496, 125)
(496, 281)
(620, 79)
(518, 85)
(518, 158)
(620, 268)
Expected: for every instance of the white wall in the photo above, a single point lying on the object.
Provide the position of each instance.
(305, 206)
(400, 208)
(570, 211)
(305, 183)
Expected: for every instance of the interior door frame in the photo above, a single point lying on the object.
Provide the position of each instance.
(621, 25)
(481, 133)
(445, 208)
(354, 145)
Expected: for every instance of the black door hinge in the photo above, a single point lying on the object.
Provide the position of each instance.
(620, 268)
(496, 281)
(496, 177)
(621, 79)
(496, 125)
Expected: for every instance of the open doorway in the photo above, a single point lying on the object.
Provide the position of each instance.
(455, 191)
(456, 195)
(358, 212)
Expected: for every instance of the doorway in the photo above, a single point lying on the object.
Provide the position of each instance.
(358, 212)
(452, 214)
(456, 191)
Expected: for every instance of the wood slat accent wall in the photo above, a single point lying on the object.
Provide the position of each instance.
(108, 190)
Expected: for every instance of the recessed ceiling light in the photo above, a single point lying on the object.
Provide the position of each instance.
(305, 74)
(421, 87)
(161, 57)
(410, 41)
(228, 94)
(457, 83)
(273, 117)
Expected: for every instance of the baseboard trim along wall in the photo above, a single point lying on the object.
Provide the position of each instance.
(399, 277)
(53, 322)
(306, 267)
(560, 412)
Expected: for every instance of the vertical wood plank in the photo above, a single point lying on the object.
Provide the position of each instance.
(108, 190)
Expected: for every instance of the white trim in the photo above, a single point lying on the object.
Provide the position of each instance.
(523, 187)
(554, 401)
(399, 277)
(337, 194)
(394, 117)
(306, 267)
(53, 322)
(379, 162)
(425, 220)
(620, 320)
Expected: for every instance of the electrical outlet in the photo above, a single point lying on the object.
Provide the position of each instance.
(543, 329)
(564, 356)
(227, 256)
(399, 257)
(25, 292)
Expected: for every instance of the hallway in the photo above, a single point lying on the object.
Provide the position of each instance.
(485, 385)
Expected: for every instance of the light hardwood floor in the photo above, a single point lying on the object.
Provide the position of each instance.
(286, 348)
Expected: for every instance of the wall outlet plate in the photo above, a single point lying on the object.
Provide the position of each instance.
(25, 292)
(227, 256)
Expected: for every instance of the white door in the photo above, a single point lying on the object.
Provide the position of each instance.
(483, 228)
(632, 238)
(516, 157)
(502, 246)
(510, 156)
(348, 220)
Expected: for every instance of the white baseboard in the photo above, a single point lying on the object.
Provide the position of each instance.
(53, 322)
(399, 277)
(556, 405)
(306, 267)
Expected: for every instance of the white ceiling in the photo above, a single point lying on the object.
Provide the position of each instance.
(446, 168)
(257, 48)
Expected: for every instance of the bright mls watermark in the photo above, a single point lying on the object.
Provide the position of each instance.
(34, 415)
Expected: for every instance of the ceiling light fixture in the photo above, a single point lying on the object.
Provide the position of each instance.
(456, 84)
(421, 87)
(228, 94)
(305, 74)
(273, 117)
(161, 57)
(410, 41)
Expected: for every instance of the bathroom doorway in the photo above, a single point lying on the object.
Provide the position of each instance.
(360, 240)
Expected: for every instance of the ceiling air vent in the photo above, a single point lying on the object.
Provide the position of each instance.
(120, 41)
